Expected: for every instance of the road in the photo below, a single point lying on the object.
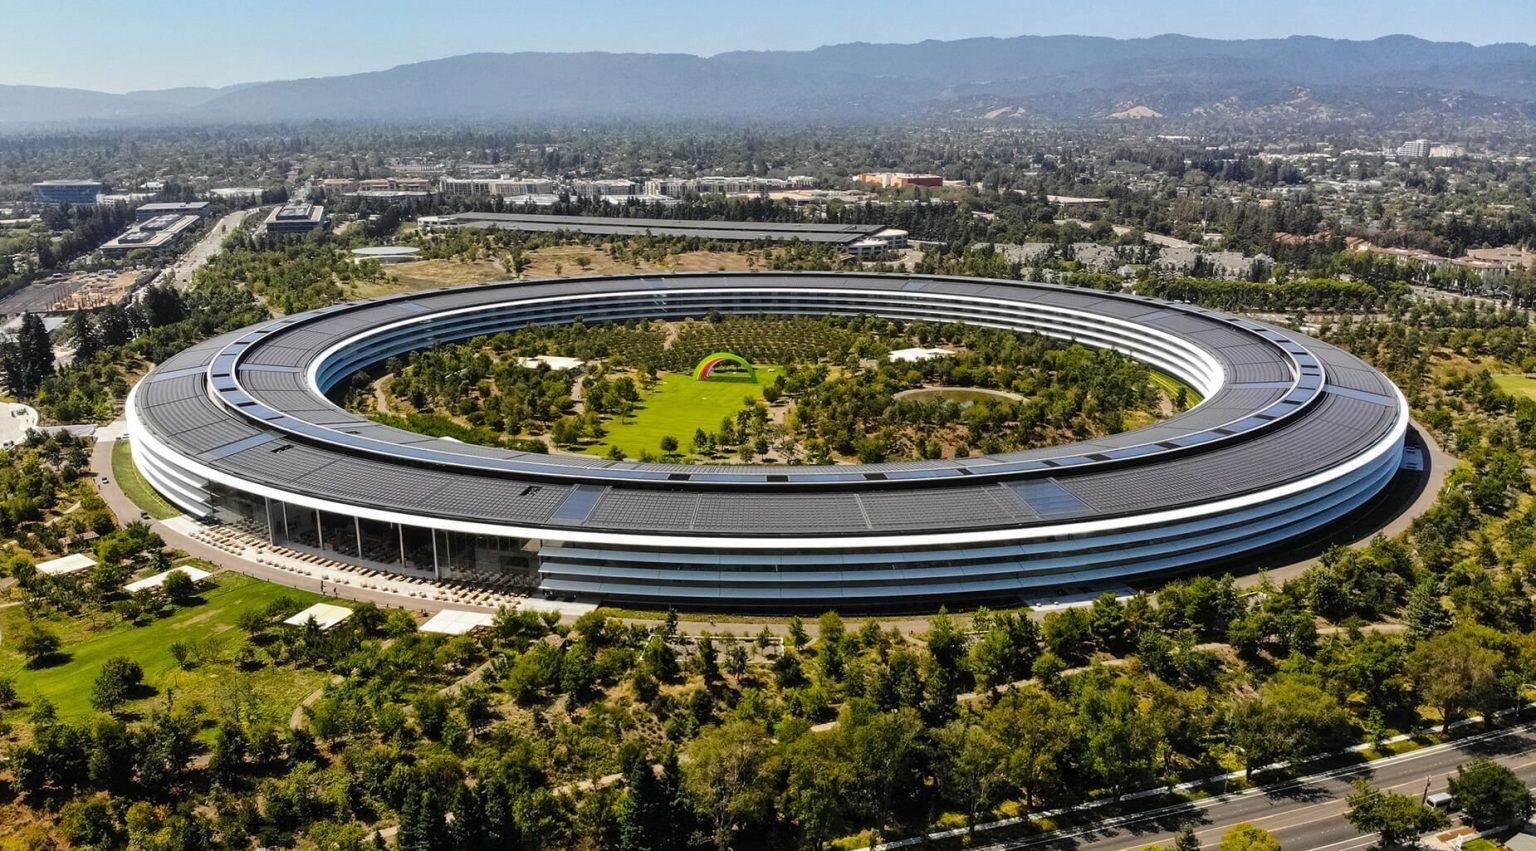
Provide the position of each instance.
(203, 251)
(1305, 814)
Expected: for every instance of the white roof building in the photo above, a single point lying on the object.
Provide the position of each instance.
(193, 573)
(68, 564)
(457, 622)
(918, 354)
(325, 616)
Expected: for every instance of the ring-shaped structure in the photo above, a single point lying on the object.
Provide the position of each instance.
(1292, 435)
(710, 363)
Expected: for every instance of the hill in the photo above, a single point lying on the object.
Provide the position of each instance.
(1170, 78)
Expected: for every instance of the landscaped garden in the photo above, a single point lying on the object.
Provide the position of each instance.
(789, 390)
(188, 651)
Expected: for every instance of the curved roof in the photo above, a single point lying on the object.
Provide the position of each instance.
(1278, 408)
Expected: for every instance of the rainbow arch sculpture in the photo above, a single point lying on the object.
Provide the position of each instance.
(707, 366)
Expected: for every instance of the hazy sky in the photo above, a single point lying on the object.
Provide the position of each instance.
(117, 46)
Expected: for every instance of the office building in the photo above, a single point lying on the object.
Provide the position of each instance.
(67, 191)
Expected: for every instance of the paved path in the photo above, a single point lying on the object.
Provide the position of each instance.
(15, 422)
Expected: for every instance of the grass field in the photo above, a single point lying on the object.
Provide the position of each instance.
(1516, 384)
(212, 623)
(679, 405)
(136, 487)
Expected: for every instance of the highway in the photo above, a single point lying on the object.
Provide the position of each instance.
(1305, 815)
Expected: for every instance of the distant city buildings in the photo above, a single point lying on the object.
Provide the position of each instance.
(505, 187)
(67, 191)
(893, 179)
(295, 217)
(1424, 149)
(679, 187)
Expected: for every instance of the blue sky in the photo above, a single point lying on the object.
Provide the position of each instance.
(117, 46)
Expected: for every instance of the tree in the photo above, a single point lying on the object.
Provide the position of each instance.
(1452, 671)
(1491, 794)
(84, 334)
(972, 767)
(36, 643)
(819, 776)
(669, 445)
(29, 360)
(643, 814)
(1399, 819)
(118, 679)
(1288, 720)
(179, 586)
(1036, 730)
(1246, 837)
(730, 774)
(885, 751)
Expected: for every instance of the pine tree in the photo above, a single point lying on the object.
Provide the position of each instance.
(643, 814)
(31, 358)
(1424, 612)
(468, 832)
(84, 333)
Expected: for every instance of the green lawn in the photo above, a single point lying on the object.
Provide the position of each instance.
(87, 646)
(1481, 845)
(136, 487)
(1170, 385)
(678, 405)
(1516, 385)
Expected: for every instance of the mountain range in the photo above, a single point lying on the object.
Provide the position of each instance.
(1061, 79)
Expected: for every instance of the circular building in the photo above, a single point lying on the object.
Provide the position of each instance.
(387, 255)
(1291, 436)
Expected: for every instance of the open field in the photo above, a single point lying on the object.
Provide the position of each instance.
(679, 405)
(427, 275)
(568, 259)
(210, 626)
(135, 486)
(1516, 384)
(554, 262)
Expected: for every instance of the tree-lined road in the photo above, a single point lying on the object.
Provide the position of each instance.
(1306, 815)
(203, 251)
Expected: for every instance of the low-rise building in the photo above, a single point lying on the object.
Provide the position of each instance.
(296, 217)
(155, 234)
(892, 179)
(191, 208)
(878, 244)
